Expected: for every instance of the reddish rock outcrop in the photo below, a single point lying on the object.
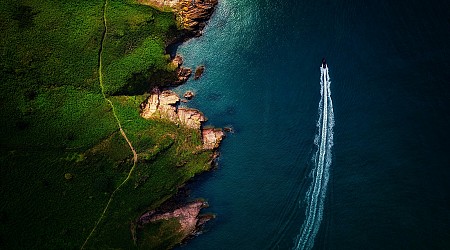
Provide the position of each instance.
(177, 61)
(183, 73)
(160, 105)
(195, 14)
(191, 118)
(191, 14)
(187, 215)
(212, 137)
(189, 95)
(164, 105)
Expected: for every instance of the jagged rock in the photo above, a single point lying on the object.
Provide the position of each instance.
(212, 137)
(187, 215)
(191, 118)
(192, 14)
(177, 61)
(183, 75)
(164, 105)
(195, 14)
(164, 102)
(199, 72)
(150, 106)
(168, 97)
(188, 95)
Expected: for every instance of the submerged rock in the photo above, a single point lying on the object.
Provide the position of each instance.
(228, 129)
(199, 72)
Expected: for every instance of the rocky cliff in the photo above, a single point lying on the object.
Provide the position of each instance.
(188, 215)
(191, 14)
(183, 73)
(212, 137)
(164, 105)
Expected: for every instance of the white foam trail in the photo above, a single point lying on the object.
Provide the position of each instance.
(316, 194)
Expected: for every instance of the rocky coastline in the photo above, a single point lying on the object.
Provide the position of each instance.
(192, 17)
(188, 215)
(164, 105)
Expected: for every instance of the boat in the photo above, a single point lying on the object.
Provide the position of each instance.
(324, 63)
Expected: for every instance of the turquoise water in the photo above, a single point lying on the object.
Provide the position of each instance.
(387, 182)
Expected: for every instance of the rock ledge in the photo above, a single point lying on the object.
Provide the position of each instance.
(191, 14)
(164, 105)
(188, 216)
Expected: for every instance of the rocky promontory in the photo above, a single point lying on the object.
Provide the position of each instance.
(188, 216)
(164, 105)
(192, 15)
(212, 137)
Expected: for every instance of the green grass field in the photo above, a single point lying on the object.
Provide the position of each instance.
(62, 155)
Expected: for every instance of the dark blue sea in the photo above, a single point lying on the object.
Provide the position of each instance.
(359, 159)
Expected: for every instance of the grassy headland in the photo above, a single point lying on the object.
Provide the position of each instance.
(62, 154)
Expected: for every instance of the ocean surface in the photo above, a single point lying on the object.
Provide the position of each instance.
(356, 159)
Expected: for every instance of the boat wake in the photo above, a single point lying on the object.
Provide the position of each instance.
(315, 196)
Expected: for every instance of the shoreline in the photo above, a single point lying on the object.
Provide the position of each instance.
(163, 103)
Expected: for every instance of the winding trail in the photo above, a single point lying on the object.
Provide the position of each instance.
(122, 132)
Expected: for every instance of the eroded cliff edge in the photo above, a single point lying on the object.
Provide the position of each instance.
(164, 105)
(192, 17)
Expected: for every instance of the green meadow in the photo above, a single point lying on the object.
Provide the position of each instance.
(62, 156)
